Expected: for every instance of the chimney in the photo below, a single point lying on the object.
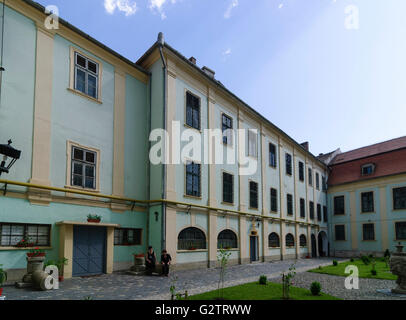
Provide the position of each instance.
(161, 40)
(209, 72)
(192, 60)
(305, 145)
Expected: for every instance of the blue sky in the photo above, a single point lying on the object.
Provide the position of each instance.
(322, 74)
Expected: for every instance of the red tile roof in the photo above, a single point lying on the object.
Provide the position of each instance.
(368, 151)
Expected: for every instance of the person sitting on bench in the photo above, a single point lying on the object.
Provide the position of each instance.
(150, 261)
(165, 261)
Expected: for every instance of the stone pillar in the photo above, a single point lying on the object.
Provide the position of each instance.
(119, 135)
(171, 233)
(383, 218)
(282, 240)
(41, 149)
(265, 233)
(66, 248)
(243, 239)
(110, 250)
(212, 232)
(353, 221)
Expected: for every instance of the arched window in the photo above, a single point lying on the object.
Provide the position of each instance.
(273, 240)
(290, 240)
(303, 240)
(191, 239)
(227, 239)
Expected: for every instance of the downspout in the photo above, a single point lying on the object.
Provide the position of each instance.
(149, 126)
(161, 43)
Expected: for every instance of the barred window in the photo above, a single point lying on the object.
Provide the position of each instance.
(191, 239)
(227, 127)
(274, 200)
(310, 174)
(253, 195)
(325, 215)
(37, 234)
(301, 171)
(339, 205)
(272, 155)
(289, 200)
(303, 240)
(228, 188)
(399, 198)
(311, 209)
(252, 143)
(367, 202)
(227, 239)
(339, 232)
(288, 159)
(323, 184)
(127, 237)
(193, 184)
(273, 240)
(368, 231)
(290, 240)
(318, 212)
(302, 208)
(192, 111)
(317, 181)
(400, 230)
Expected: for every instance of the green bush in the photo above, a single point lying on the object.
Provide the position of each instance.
(387, 253)
(374, 272)
(352, 260)
(315, 288)
(366, 260)
(263, 280)
(335, 263)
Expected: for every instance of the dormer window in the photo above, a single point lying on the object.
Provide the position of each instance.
(368, 169)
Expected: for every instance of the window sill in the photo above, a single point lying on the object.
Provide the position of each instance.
(79, 93)
(231, 204)
(192, 197)
(274, 247)
(372, 212)
(193, 128)
(232, 249)
(126, 245)
(82, 189)
(188, 251)
(23, 249)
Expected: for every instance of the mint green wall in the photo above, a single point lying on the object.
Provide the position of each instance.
(136, 144)
(21, 211)
(17, 100)
(79, 119)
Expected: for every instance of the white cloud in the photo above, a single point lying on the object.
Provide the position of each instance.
(157, 6)
(280, 6)
(126, 6)
(233, 4)
(227, 52)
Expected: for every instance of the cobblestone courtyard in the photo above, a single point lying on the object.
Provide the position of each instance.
(120, 286)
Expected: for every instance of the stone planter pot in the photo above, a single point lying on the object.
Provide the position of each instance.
(33, 264)
(139, 261)
(93, 220)
(398, 267)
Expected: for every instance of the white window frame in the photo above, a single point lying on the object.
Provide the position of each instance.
(69, 183)
(252, 150)
(73, 74)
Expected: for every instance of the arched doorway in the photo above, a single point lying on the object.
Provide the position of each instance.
(323, 244)
(314, 246)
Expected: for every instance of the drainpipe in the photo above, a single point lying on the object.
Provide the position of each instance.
(149, 126)
(161, 44)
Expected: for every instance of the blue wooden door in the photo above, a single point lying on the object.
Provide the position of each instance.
(89, 250)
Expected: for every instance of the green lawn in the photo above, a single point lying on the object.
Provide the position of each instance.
(364, 270)
(256, 291)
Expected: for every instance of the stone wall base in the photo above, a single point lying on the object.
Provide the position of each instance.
(355, 253)
(14, 275)
(122, 266)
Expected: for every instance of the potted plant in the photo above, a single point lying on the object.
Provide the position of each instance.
(138, 259)
(60, 265)
(36, 252)
(24, 243)
(3, 278)
(94, 218)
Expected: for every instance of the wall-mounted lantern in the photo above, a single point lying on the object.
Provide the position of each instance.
(9, 156)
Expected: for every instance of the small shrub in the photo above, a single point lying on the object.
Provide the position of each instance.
(263, 280)
(374, 272)
(320, 268)
(352, 260)
(366, 260)
(387, 253)
(315, 288)
(371, 256)
(335, 263)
